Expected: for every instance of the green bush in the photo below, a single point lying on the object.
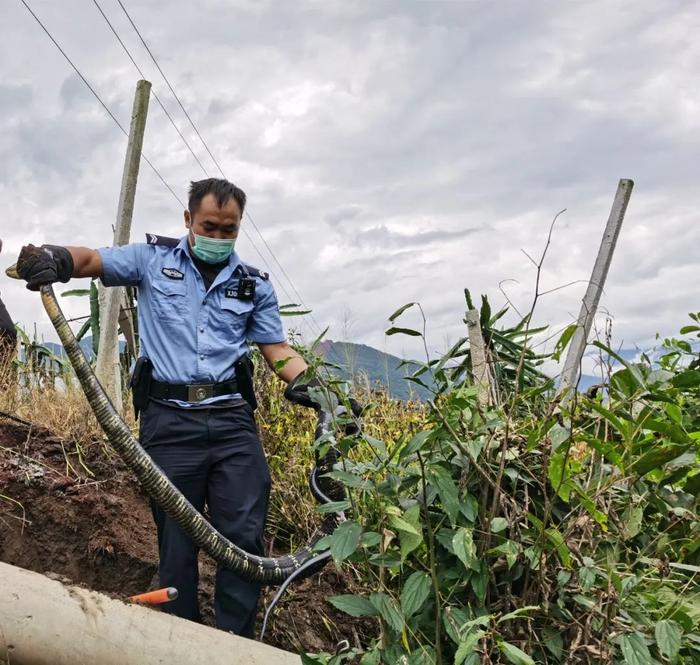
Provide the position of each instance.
(525, 532)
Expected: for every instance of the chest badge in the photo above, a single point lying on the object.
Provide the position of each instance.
(172, 273)
(244, 291)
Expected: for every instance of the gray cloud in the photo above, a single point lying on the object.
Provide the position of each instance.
(386, 238)
(373, 139)
(342, 214)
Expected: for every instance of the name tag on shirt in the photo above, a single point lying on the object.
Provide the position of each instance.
(173, 273)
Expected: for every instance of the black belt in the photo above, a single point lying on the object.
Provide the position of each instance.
(194, 392)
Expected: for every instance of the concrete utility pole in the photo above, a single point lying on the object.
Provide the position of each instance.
(480, 365)
(572, 365)
(107, 369)
(47, 623)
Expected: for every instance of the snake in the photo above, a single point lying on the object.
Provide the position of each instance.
(265, 570)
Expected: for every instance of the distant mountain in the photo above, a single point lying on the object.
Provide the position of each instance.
(360, 360)
(85, 345)
(363, 362)
(383, 368)
(59, 351)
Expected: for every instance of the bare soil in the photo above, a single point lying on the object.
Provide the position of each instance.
(96, 531)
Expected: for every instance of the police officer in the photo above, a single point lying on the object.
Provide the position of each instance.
(8, 339)
(198, 306)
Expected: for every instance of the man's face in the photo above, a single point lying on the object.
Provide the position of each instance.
(214, 222)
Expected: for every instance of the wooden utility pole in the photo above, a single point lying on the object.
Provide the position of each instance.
(108, 369)
(572, 365)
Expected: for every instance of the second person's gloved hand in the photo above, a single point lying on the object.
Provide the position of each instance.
(47, 264)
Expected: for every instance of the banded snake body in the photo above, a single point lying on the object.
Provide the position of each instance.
(266, 570)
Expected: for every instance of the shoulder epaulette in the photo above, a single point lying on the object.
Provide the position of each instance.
(153, 239)
(251, 270)
(257, 273)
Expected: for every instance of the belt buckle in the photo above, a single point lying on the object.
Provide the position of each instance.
(202, 391)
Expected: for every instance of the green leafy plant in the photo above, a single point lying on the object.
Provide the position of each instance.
(518, 532)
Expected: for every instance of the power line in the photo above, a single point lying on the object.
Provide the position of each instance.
(284, 272)
(177, 129)
(153, 92)
(124, 131)
(99, 99)
(218, 166)
(114, 118)
(162, 73)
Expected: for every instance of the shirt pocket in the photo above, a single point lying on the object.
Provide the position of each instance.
(235, 314)
(170, 300)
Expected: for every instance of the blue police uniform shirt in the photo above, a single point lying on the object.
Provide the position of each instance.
(192, 335)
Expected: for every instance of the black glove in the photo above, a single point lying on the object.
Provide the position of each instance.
(43, 265)
(297, 392)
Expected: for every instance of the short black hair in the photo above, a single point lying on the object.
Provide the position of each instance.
(223, 190)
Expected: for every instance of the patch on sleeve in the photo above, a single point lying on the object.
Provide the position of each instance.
(172, 273)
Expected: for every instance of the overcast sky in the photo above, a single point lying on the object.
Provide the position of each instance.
(391, 151)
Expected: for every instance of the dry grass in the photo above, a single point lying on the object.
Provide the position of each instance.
(286, 431)
(61, 410)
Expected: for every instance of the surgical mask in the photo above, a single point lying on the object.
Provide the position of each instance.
(212, 250)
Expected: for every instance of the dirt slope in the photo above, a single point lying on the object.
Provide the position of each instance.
(97, 531)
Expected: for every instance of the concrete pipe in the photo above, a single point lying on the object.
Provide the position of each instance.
(43, 622)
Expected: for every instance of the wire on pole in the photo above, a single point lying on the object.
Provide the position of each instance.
(218, 166)
(99, 99)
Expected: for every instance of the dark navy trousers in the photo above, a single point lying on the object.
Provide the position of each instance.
(214, 457)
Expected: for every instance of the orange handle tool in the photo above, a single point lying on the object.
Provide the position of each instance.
(157, 597)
